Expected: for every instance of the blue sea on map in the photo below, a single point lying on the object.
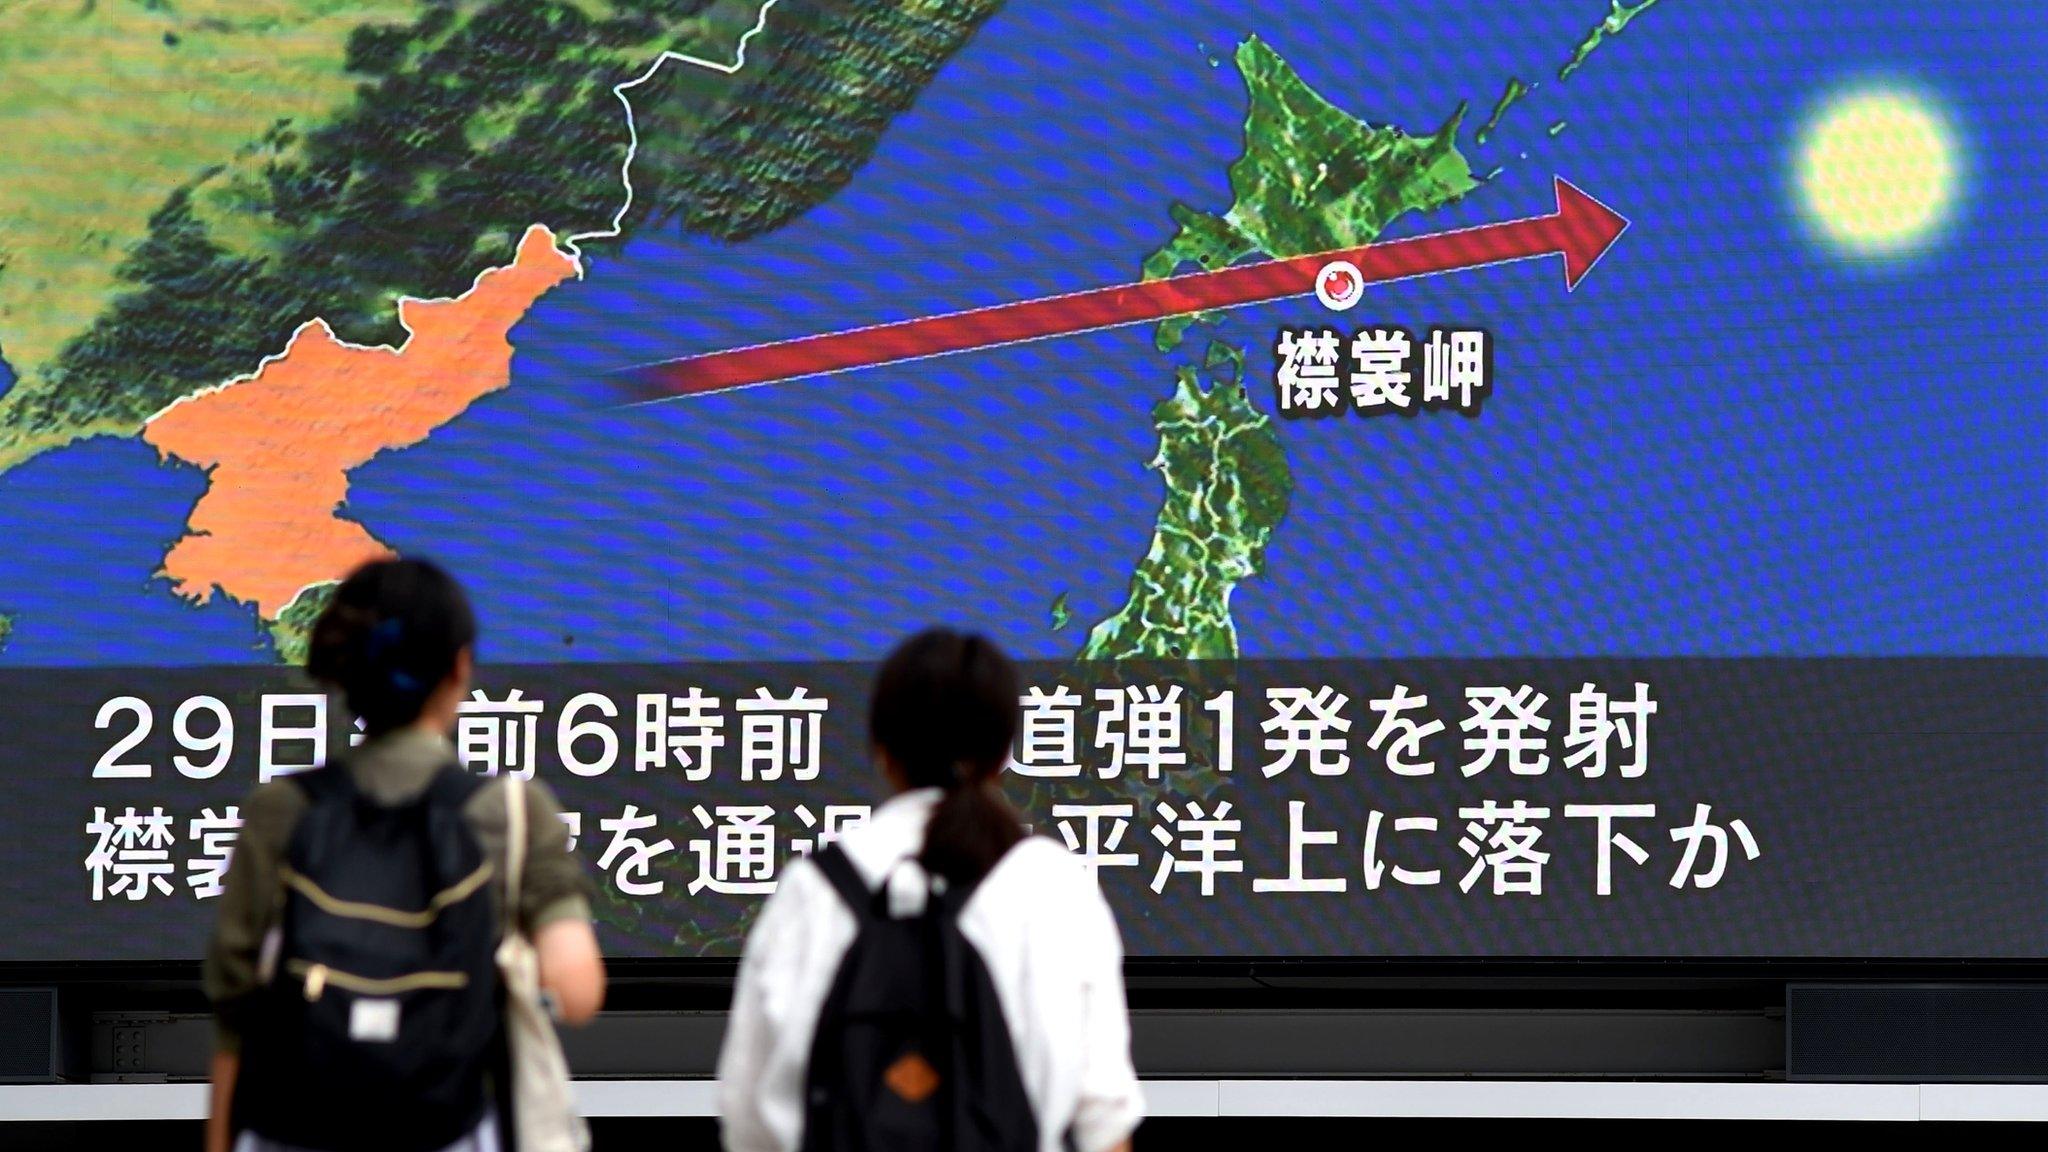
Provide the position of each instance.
(1728, 440)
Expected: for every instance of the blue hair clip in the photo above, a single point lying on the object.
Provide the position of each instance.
(383, 637)
(378, 645)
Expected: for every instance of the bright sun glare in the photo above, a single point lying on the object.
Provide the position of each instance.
(1877, 171)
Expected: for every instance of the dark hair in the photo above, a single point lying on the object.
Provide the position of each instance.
(389, 637)
(945, 711)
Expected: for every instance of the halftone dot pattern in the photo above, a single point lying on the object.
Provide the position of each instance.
(102, 515)
(1728, 440)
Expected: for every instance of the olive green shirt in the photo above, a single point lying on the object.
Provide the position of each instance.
(392, 769)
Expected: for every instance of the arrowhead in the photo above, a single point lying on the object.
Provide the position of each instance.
(1586, 229)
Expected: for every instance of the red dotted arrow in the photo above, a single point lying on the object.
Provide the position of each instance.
(1581, 230)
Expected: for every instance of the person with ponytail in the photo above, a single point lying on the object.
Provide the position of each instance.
(352, 965)
(938, 905)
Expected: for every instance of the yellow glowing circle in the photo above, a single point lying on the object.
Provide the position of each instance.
(1877, 171)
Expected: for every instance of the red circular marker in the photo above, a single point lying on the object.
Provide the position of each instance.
(1339, 285)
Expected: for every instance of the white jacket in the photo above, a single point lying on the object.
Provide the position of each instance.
(1052, 952)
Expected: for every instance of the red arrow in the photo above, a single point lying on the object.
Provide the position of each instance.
(1581, 230)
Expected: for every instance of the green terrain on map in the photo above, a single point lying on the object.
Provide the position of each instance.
(368, 158)
(1312, 178)
(243, 166)
(293, 628)
(1618, 16)
(1515, 91)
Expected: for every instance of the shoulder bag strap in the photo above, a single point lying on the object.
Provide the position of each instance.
(515, 847)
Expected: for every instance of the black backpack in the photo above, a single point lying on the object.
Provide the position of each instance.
(380, 1028)
(911, 1052)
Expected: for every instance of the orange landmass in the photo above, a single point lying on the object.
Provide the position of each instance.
(278, 445)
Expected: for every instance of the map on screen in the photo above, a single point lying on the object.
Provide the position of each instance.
(288, 285)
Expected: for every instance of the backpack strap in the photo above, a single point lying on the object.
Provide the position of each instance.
(846, 880)
(331, 780)
(452, 786)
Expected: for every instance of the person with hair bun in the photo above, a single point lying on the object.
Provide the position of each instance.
(937, 978)
(352, 967)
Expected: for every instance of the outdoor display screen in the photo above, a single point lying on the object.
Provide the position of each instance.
(1559, 479)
